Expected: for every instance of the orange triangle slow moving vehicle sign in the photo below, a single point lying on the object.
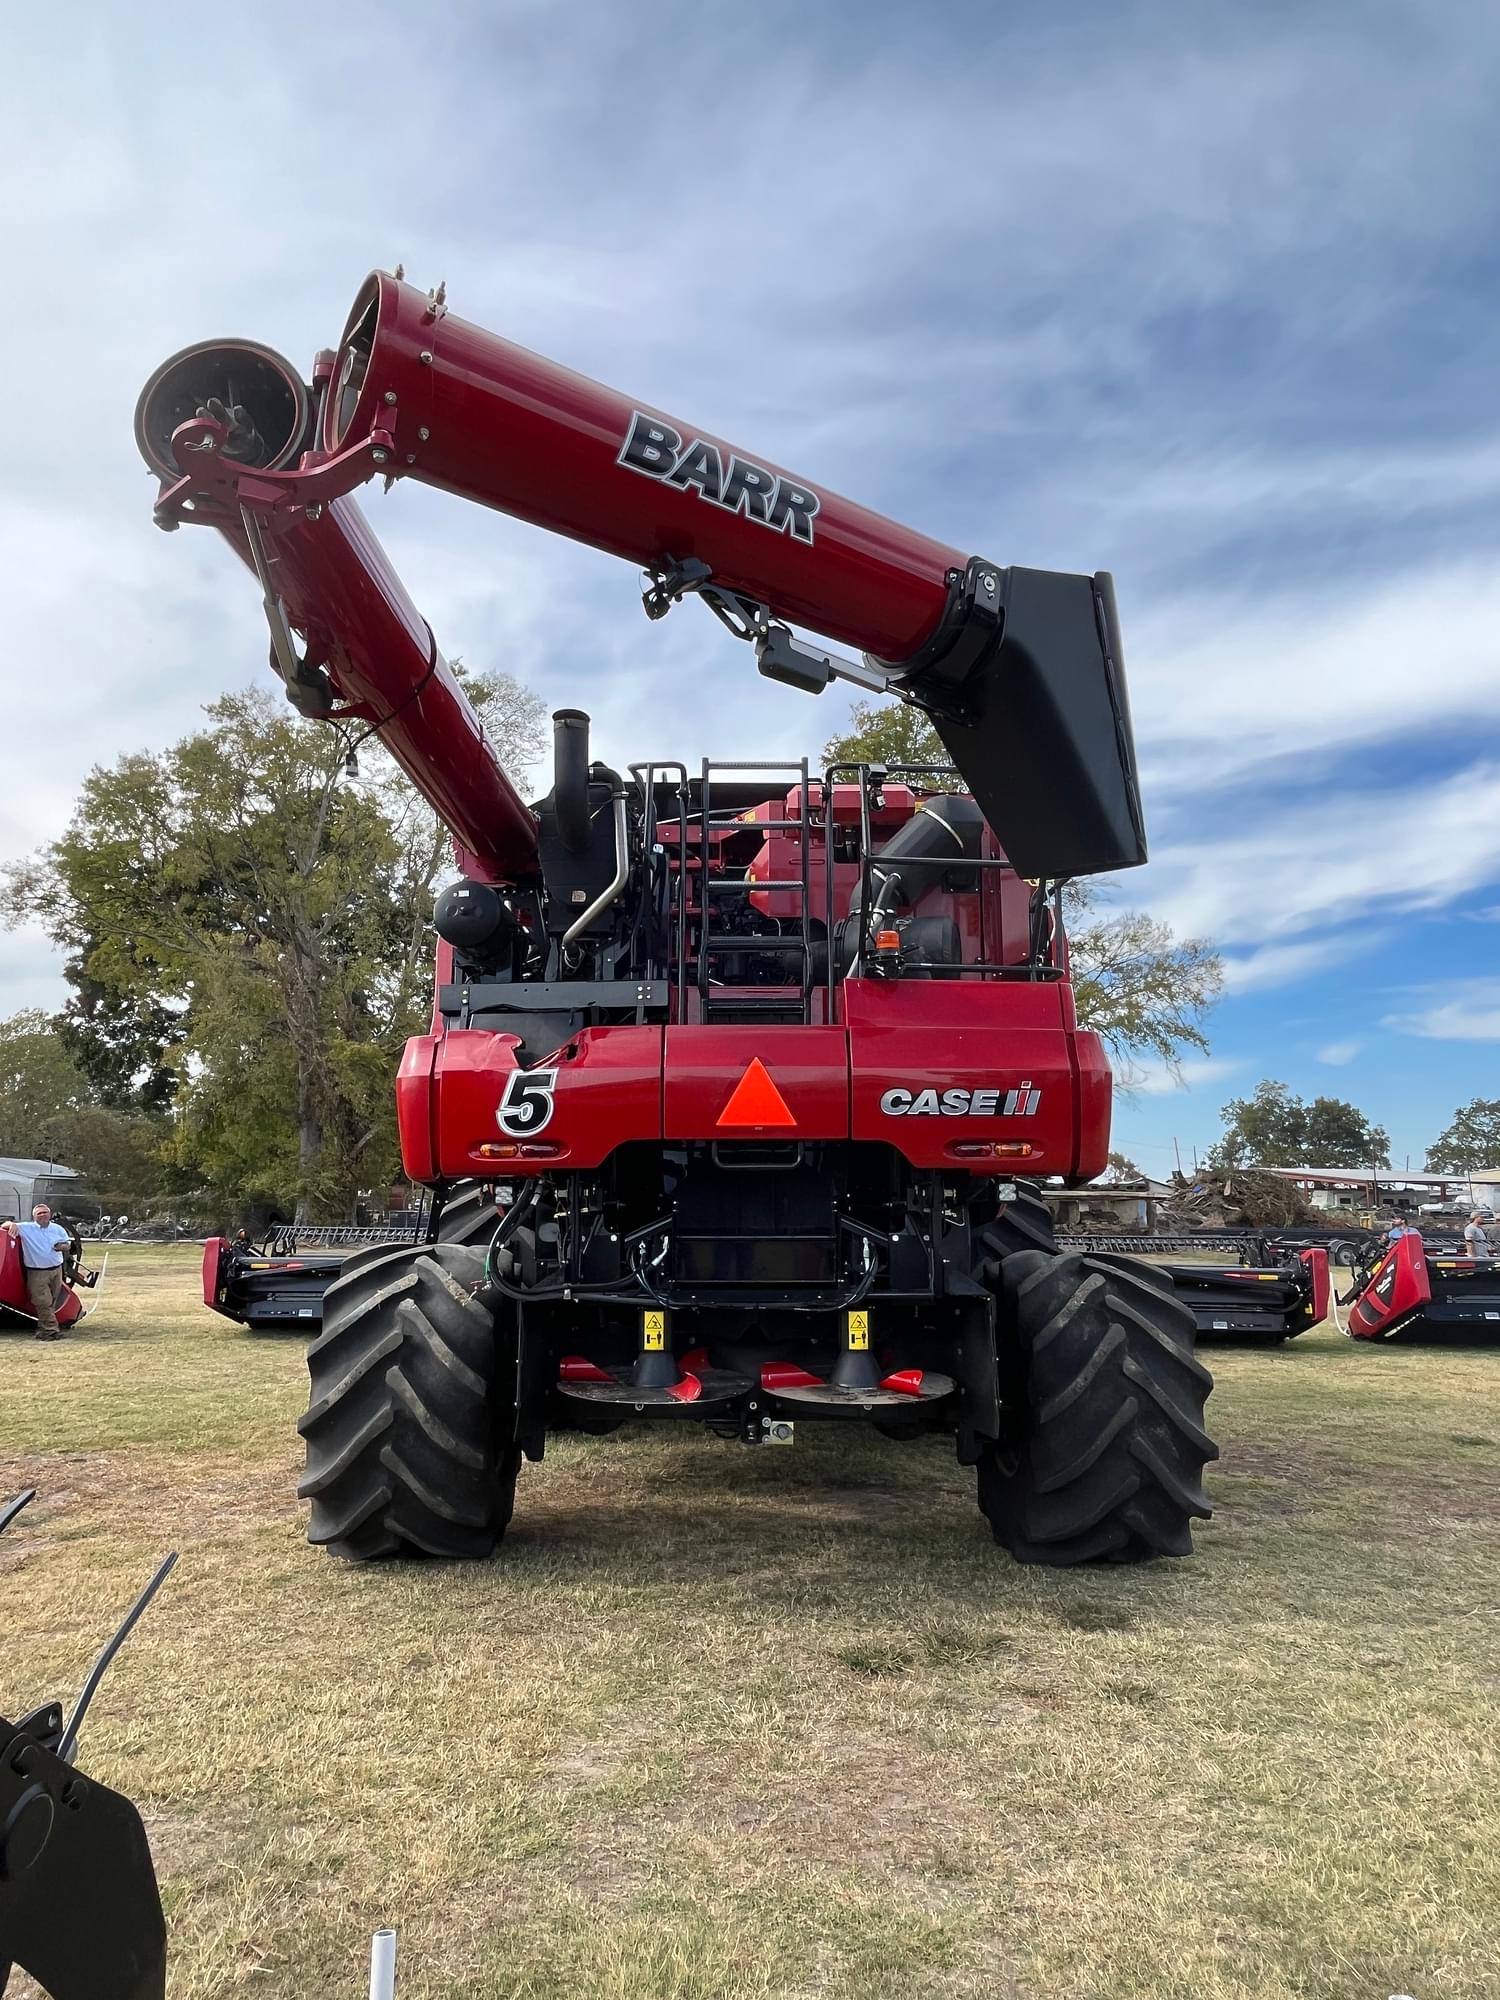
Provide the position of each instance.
(755, 1100)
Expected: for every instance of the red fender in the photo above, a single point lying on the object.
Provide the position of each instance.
(1317, 1265)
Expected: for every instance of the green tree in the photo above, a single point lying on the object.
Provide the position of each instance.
(1339, 1135)
(48, 1111)
(123, 1156)
(1471, 1143)
(1268, 1129)
(1142, 989)
(41, 1086)
(277, 908)
(122, 1041)
(1274, 1128)
(890, 733)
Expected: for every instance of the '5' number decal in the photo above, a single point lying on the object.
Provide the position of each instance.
(526, 1106)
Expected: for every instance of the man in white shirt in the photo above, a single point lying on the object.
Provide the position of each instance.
(1476, 1243)
(42, 1242)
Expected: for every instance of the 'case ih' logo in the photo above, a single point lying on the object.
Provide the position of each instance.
(740, 487)
(1018, 1103)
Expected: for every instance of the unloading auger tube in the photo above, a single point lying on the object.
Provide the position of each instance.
(1020, 669)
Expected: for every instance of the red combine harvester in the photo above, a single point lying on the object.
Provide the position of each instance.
(766, 1058)
(1409, 1294)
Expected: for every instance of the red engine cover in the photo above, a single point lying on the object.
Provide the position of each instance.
(942, 1066)
(977, 1078)
(807, 1071)
(603, 1090)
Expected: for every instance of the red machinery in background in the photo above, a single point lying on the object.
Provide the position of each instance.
(765, 1056)
(1406, 1293)
(1271, 1301)
(16, 1309)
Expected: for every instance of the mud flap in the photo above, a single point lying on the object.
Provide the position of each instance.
(976, 1366)
(531, 1383)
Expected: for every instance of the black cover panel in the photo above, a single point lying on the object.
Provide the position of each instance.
(1046, 744)
(79, 1906)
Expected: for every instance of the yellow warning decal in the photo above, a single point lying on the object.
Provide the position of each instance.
(653, 1332)
(859, 1331)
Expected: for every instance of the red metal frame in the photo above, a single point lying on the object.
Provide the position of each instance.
(620, 1084)
(1398, 1290)
(14, 1296)
(337, 589)
(1316, 1260)
(479, 416)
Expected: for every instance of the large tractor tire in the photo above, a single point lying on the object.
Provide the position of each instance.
(1024, 1223)
(468, 1215)
(407, 1451)
(1104, 1458)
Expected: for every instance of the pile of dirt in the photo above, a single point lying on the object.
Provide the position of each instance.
(1241, 1197)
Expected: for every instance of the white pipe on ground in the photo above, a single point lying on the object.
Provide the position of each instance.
(383, 1965)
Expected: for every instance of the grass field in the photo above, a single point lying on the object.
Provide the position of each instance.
(784, 1722)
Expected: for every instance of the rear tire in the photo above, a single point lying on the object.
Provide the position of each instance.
(468, 1217)
(408, 1452)
(1105, 1457)
(1023, 1224)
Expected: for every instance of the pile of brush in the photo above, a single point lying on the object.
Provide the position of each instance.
(1237, 1198)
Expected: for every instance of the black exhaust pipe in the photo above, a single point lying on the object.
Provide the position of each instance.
(570, 777)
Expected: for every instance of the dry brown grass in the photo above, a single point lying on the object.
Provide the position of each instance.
(781, 1723)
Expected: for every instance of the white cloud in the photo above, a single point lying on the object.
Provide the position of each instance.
(1382, 477)
(1312, 873)
(30, 973)
(1282, 964)
(1470, 1012)
(1159, 1079)
(1219, 689)
(1339, 1053)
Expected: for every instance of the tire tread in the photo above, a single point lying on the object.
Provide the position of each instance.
(403, 1429)
(1109, 1445)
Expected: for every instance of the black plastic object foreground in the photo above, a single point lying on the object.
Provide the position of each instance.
(79, 1906)
(1025, 682)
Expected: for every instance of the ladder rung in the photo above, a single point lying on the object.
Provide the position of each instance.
(719, 888)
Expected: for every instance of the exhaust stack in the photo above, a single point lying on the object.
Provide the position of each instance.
(570, 777)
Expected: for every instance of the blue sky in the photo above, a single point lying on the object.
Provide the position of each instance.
(1202, 294)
